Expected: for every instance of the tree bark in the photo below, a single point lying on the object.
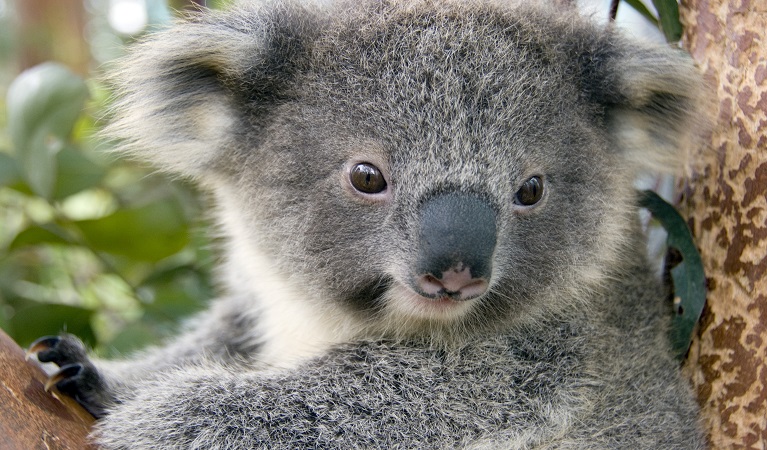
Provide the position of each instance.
(31, 418)
(725, 198)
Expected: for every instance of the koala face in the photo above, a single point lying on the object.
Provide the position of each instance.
(431, 221)
(414, 164)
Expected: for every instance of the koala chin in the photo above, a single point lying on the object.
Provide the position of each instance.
(430, 229)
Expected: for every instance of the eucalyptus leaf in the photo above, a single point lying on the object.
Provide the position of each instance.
(176, 292)
(668, 13)
(31, 322)
(642, 9)
(4, 325)
(149, 233)
(9, 172)
(76, 173)
(40, 234)
(134, 337)
(688, 276)
(43, 103)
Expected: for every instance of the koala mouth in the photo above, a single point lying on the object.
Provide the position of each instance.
(446, 301)
(407, 302)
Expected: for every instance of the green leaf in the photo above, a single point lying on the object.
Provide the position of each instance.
(9, 172)
(38, 320)
(40, 234)
(642, 9)
(688, 276)
(176, 292)
(149, 233)
(668, 12)
(133, 337)
(43, 103)
(4, 325)
(76, 173)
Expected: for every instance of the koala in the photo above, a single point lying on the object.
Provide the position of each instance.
(430, 234)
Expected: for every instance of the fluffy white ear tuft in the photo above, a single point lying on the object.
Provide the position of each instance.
(171, 104)
(181, 95)
(660, 108)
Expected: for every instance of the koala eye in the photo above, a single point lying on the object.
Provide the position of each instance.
(530, 193)
(367, 178)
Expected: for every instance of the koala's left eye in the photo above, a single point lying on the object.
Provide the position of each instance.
(530, 193)
(367, 179)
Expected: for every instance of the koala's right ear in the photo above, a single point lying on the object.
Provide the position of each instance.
(180, 94)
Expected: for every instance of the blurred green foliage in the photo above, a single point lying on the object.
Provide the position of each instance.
(89, 243)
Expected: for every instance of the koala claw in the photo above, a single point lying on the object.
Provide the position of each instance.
(64, 377)
(77, 377)
(41, 345)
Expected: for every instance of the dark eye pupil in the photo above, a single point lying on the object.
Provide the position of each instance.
(367, 178)
(531, 192)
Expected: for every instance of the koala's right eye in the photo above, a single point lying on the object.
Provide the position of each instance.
(367, 178)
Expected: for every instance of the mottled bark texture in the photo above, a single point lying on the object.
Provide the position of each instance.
(724, 198)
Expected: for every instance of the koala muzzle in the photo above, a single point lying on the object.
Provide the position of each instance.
(457, 239)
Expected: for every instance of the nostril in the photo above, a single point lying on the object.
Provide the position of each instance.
(430, 285)
(456, 283)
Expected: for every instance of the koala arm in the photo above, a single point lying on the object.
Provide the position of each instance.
(367, 395)
(224, 334)
(503, 392)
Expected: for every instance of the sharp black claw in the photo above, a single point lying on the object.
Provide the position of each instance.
(65, 373)
(76, 377)
(40, 345)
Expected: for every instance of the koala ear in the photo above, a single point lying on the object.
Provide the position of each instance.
(654, 105)
(179, 95)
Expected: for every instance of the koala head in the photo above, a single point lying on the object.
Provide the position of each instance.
(411, 164)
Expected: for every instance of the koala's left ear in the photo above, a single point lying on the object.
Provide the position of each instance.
(654, 99)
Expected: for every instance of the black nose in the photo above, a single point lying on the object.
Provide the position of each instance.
(456, 243)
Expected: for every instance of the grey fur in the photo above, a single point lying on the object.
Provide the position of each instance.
(318, 341)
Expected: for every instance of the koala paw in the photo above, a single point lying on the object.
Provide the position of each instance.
(77, 377)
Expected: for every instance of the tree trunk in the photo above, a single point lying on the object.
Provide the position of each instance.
(52, 30)
(31, 418)
(725, 198)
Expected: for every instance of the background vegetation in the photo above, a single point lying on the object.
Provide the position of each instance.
(89, 243)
